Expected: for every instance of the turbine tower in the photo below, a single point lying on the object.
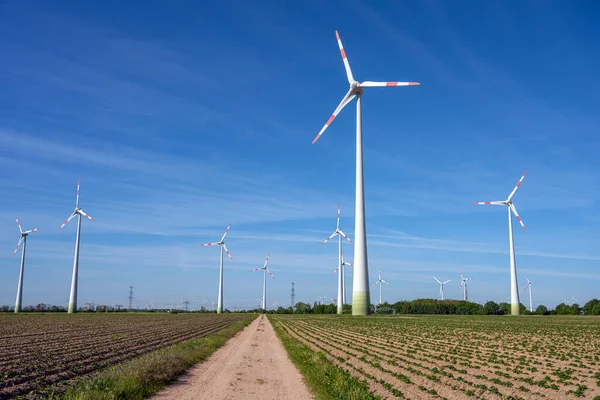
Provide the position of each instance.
(463, 283)
(339, 233)
(223, 247)
(528, 288)
(74, 280)
(514, 288)
(23, 239)
(293, 299)
(265, 269)
(442, 285)
(380, 286)
(360, 296)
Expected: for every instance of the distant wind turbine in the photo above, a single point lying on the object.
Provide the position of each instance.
(22, 238)
(514, 287)
(380, 282)
(361, 294)
(339, 233)
(265, 269)
(442, 286)
(223, 247)
(74, 280)
(528, 288)
(344, 265)
(463, 283)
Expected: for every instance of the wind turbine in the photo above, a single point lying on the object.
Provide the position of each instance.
(442, 285)
(339, 233)
(463, 282)
(380, 286)
(265, 269)
(22, 238)
(360, 296)
(223, 247)
(344, 264)
(528, 288)
(77, 212)
(514, 288)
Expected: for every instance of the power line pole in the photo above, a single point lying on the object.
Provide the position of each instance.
(293, 303)
(186, 302)
(131, 298)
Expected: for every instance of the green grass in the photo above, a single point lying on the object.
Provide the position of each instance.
(148, 374)
(327, 381)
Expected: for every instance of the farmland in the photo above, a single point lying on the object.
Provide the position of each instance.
(43, 351)
(449, 357)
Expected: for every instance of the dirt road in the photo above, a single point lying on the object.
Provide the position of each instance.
(252, 365)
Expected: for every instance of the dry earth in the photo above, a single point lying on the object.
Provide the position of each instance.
(252, 365)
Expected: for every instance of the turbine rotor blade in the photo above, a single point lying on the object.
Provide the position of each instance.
(18, 244)
(267, 260)
(67, 221)
(338, 218)
(18, 224)
(384, 84)
(494, 203)
(255, 269)
(517, 186)
(347, 98)
(437, 280)
(345, 236)
(514, 210)
(330, 237)
(225, 234)
(335, 270)
(77, 198)
(85, 215)
(227, 251)
(344, 58)
(32, 230)
(449, 280)
(209, 244)
(272, 276)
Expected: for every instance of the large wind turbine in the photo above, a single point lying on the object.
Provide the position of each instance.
(528, 288)
(77, 212)
(340, 233)
(265, 269)
(223, 247)
(380, 282)
(514, 288)
(360, 295)
(23, 239)
(442, 285)
(463, 282)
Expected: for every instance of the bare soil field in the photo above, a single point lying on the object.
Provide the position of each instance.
(460, 357)
(43, 352)
(252, 365)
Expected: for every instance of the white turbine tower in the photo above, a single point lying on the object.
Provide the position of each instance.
(528, 288)
(22, 238)
(265, 269)
(463, 282)
(74, 280)
(380, 281)
(223, 247)
(442, 285)
(360, 296)
(344, 264)
(339, 233)
(514, 288)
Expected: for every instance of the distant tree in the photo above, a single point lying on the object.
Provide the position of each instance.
(563, 309)
(303, 308)
(522, 309)
(541, 310)
(592, 307)
(491, 308)
(5, 308)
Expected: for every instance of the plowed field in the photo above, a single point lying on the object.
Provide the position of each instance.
(454, 357)
(38, 351)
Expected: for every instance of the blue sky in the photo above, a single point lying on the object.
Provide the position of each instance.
(181, 118)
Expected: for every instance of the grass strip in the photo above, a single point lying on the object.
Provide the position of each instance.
(148, 374)
(326, 380)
